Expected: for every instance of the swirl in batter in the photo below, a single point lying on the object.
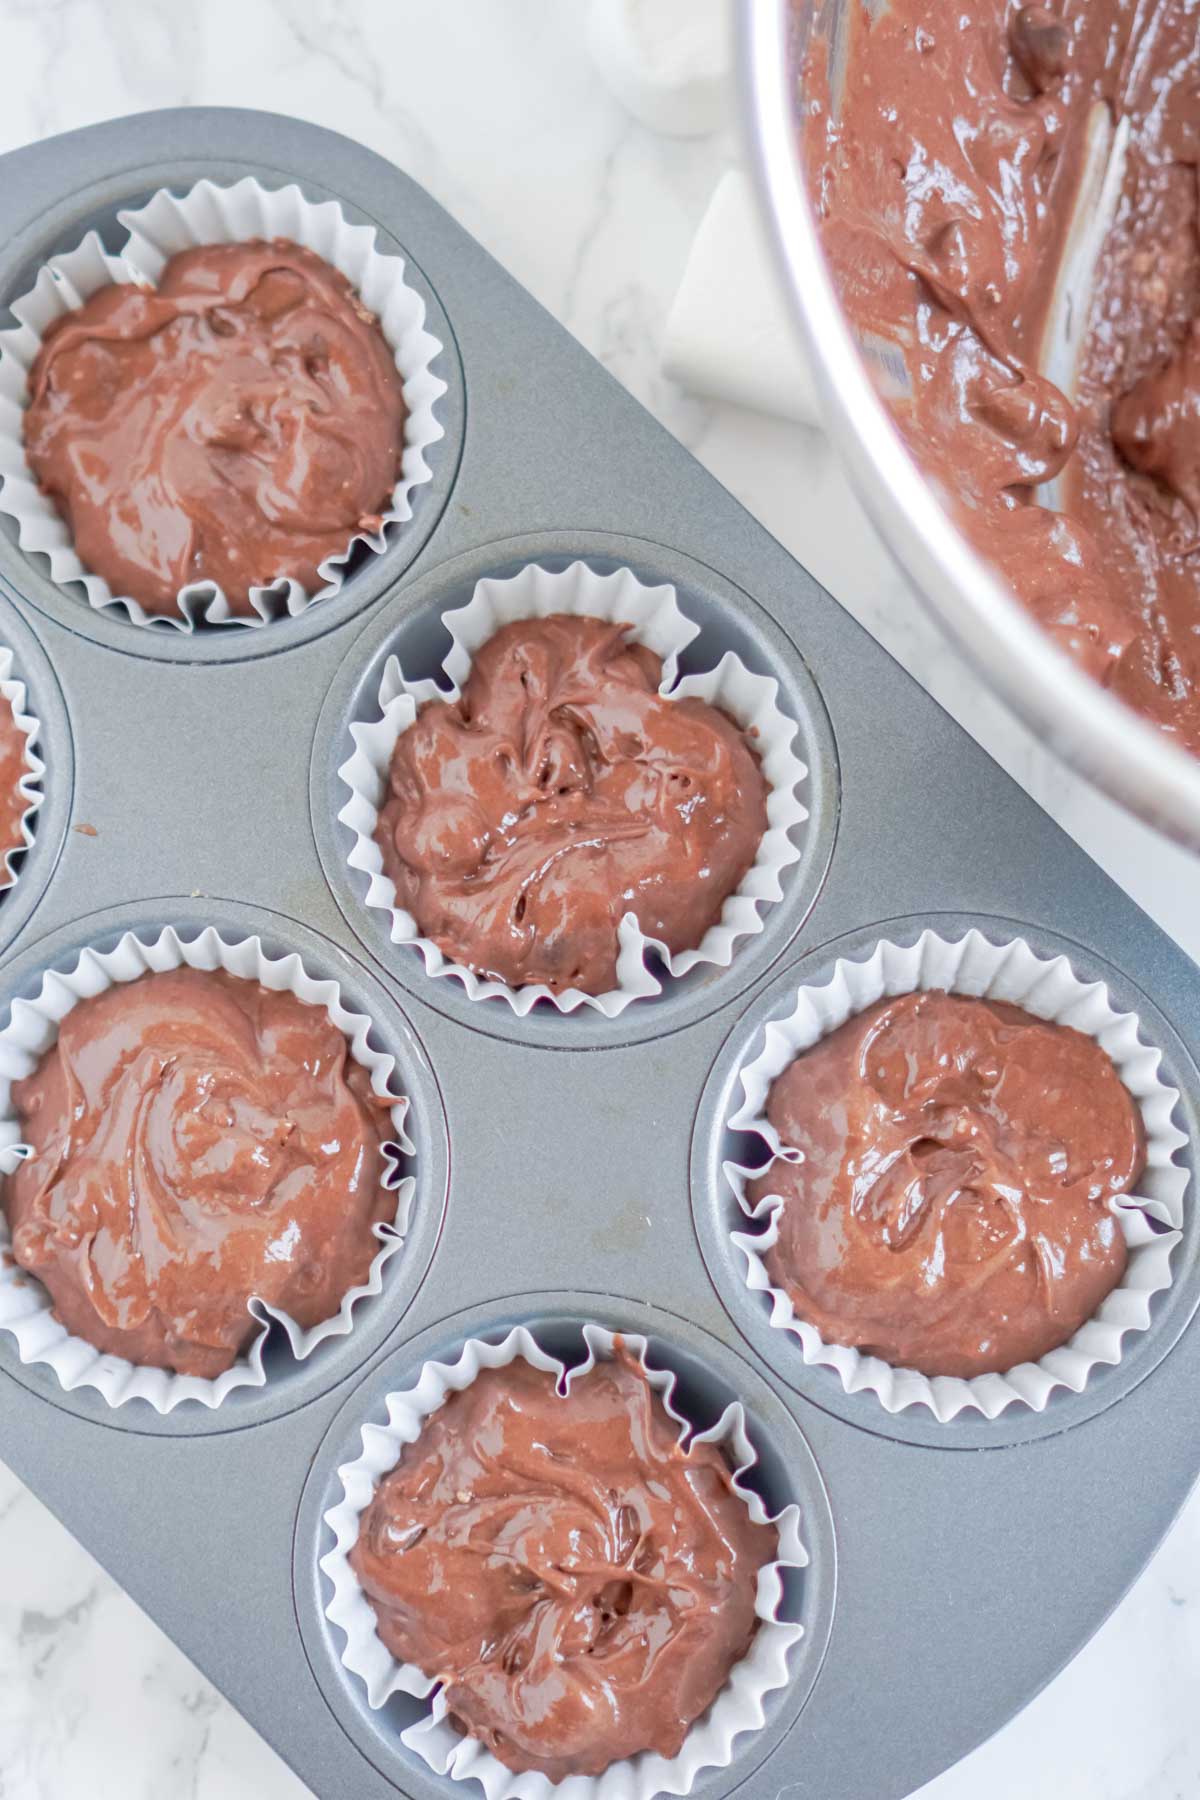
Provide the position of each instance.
(197, 1140)
(952, 1209)
(560, 792)
(579, 1583)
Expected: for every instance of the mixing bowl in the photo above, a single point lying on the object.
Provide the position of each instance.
(1100, 736)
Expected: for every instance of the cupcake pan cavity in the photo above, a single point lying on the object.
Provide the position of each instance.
(284, 1363)
(15, 696)
(713, 1395)
(1050, 978)
(29, 687)
(655, 620)
(715, 644)
(126, 230)
(1151, 1215)
(170, 222)
(740, 1707)
(568, 1153)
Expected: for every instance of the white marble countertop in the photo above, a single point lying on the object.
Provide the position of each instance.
(498, 111)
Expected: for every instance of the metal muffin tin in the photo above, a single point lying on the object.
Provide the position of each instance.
(568, 1167)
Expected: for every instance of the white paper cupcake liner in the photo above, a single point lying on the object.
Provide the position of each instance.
(738, 1708)
(168, 223)
(1049, 989)
(655, 620)
(12, 692)
(25, 1306)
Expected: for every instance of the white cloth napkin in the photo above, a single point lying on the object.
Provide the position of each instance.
(730, 335)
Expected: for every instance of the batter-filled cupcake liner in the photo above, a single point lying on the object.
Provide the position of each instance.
(737, 1709)
(26, 1312)
(165, 225)
(655, 619)
(1151, 1220)
(12, 693)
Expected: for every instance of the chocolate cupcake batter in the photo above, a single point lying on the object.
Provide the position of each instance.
(197, 1140)
(557, 794)
(952, 1209)
(946, 167)
(579, 1584)
(239, 423)
(13, 804)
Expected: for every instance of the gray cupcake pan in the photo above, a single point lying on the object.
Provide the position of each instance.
(567, 1168)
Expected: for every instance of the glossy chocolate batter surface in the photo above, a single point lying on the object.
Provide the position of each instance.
(946, 167)
(197, 1140)
(580, 1585)
(560, 792)
(239, 423)
(952, 1209)
(13, 804)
